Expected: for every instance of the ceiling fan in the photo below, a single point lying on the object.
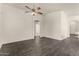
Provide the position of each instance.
(34, 10)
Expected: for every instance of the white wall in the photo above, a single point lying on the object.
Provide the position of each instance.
(16, 25)
(55, 25)
(65, 30)
(1, 25)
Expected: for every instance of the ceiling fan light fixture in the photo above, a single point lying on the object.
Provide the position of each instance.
(33, 13)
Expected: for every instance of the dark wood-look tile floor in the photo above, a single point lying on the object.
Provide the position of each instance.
(47, 47)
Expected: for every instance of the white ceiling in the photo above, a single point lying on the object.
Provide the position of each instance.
(70, 8)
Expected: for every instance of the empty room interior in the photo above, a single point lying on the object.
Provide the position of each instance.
(39, 29)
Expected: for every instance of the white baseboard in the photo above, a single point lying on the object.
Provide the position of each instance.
(18, 40)
(57, 38)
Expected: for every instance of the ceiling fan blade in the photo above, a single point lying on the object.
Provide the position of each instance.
(28, 7)
(27, 11)
(40, 13)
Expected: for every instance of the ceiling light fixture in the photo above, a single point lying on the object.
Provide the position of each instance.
(33, 13)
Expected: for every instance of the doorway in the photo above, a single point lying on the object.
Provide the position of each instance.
(74, 28)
